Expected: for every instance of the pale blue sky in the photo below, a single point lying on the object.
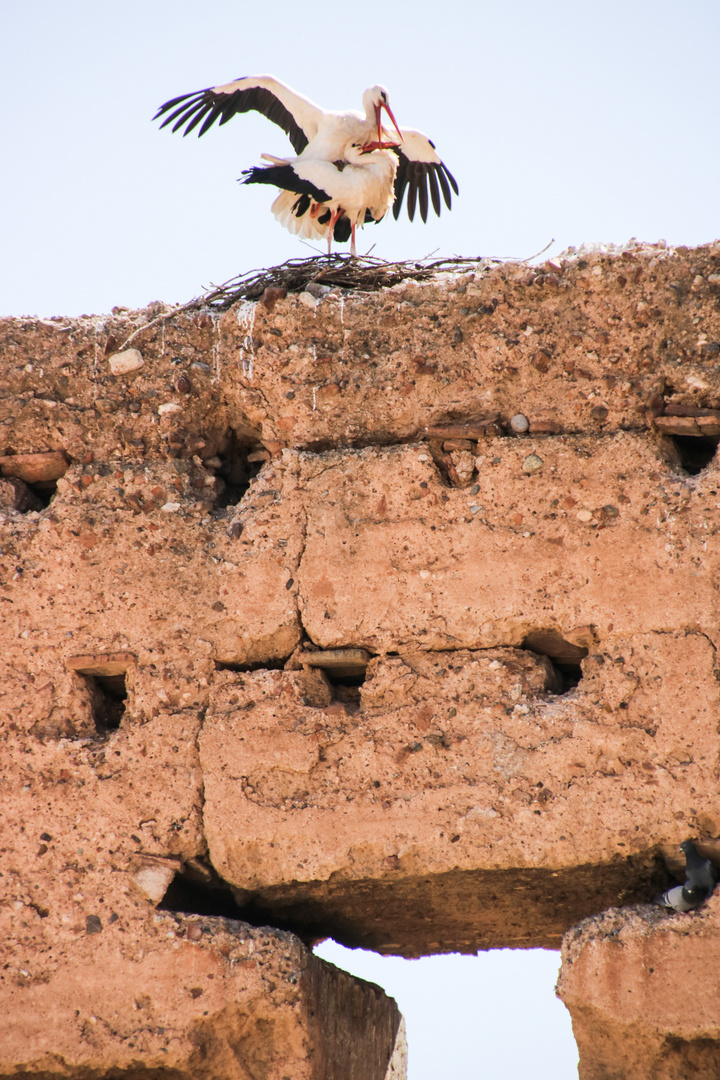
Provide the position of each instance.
(578, 121)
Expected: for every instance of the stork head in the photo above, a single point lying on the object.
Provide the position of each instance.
(374, 101)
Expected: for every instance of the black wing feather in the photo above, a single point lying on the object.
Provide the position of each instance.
(183, 101)
(210, 119)
(180, 115)
(434, 191)
(302, 206)
(421, 181)
(193, 122)
(208, 105)
(285, 177)
(170, 105)
(411, 198)
(342, 230)
(445, 188)
(450, 177)
(417, 177)
(400, 184)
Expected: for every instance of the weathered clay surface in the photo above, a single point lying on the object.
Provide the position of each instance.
(642, 986)
(192, 998)
(459, 774)
(235, 492)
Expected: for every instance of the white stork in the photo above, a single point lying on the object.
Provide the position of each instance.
(330, 198)
(320, 136)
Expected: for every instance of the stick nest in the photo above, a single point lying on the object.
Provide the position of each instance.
(364, 274)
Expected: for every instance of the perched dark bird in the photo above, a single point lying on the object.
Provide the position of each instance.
(699, 872)
(700, 880)
(681, 898)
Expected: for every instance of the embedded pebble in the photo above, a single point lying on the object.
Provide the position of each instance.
(122, 363)
(308, 300)
(584, 515)
(170, 507)
(153, 881)
(271, 296)
(464, 464)
(519, 423)
(169, 407)
(532, 464)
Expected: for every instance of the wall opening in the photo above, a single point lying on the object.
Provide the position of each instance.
(108, 696)
(565, 657)
(345, 670)
(237, 462)
(29, 481)
(695, 452)
(199, 890)
(105, 678)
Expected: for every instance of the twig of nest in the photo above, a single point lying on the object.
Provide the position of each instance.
(363, 274)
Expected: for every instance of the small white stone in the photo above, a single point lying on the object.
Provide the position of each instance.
(169, 407)
(170, 507)
(584, 515)
(308, 300)
(122, 363)
(519, 423)
(153, 881)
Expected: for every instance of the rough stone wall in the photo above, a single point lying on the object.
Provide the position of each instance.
(311, 635)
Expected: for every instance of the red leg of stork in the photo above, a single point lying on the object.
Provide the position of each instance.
(353, 252)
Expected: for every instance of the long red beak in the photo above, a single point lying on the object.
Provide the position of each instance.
(369, 147)
(378, 116)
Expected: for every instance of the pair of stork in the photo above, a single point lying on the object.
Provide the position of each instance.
(348, 169)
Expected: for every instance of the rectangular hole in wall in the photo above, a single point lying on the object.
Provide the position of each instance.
(108, 695)
(345, 670)
(104, 675)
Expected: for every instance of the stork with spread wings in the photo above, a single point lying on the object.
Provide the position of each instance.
(316, 197)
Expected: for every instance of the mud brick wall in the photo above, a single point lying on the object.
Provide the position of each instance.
(389, 615)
